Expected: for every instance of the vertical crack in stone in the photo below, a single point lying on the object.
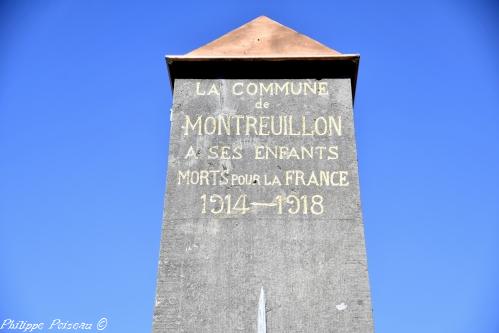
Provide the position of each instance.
(262, 321)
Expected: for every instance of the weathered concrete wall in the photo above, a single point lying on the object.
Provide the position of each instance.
(294, 229)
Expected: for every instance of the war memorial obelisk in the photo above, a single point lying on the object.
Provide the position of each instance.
(262, 228)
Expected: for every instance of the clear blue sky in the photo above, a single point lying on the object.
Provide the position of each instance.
(84, 103)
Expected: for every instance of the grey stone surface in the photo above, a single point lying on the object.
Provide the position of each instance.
(310, 261)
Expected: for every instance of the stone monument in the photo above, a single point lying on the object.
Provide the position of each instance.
(262, 228)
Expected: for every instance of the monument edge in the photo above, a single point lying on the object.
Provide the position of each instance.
(218, 67)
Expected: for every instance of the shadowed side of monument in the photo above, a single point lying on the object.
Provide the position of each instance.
(262, 230)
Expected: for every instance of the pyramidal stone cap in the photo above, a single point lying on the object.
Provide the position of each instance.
(263, 49)
(263, 37)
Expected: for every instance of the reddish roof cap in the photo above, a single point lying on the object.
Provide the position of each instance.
(263, 37)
